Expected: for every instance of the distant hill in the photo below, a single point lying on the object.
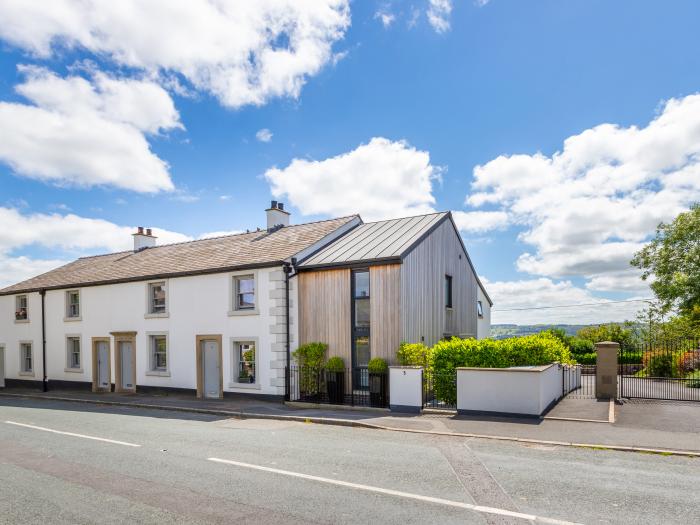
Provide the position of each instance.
(502, 331)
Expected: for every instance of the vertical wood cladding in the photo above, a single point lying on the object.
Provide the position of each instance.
(385, 310)
(423, 289)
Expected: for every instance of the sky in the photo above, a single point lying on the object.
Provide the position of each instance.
(559, 134)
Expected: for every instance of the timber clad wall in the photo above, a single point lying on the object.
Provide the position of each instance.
(423, 289)
(385, 311)
(324, 310)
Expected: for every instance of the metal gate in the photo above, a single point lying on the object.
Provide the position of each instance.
(667, 369)
(440, 390)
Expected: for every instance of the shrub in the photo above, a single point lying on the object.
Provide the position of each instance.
(688, 362)
(446, 356)
(586, 359)
(311, 355)
(413, 354)
(377, 365)
(694, 380)
(658, 364)
(335, 364)
(580, 346)
(630, 358)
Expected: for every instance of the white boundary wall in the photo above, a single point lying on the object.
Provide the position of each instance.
(522, 391)
(406, 389)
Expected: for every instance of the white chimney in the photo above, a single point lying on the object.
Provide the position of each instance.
(277, 217)
(143, 239)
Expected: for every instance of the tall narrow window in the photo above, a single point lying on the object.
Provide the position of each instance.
(448, 291)
(361, 351)
(156, 298)
(159, 353)
(73, 349)
(26, 358)
(245, 357)
(73, 304)
(479, 309)
(244, 290)
(21, 311)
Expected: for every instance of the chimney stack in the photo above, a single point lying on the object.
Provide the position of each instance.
(277, 217)
(143, 240)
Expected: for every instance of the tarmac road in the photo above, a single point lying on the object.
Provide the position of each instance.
(74, 463)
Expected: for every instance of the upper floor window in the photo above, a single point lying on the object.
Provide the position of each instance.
(448, 291)
(26, 358)
(73, 304)
(73, 353)
(361, 298)
(479, 309)
(244, 290)
(156, 298)
(21, 311)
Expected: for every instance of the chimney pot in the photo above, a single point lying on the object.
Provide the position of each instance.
(148, 231)
(273, 204)
(140, 230)
(280, 206)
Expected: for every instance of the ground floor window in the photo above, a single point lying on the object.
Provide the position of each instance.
(73, 360)
(244, 362)
(159, 353)
(26, 358)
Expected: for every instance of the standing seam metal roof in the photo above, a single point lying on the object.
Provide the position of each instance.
(376, 240)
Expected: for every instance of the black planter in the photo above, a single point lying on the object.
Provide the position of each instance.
(335, 383)
(377, 390)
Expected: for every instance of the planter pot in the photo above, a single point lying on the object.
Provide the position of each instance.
(335, 384)
(377, 390)
(246, 379)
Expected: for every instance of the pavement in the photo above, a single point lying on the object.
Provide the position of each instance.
(67, 462)
(671, 427)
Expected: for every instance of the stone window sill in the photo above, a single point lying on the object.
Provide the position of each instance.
(73, 370)
(158, 373)
(26, 374)
(157, 316)
(245, 386)
(234, 313)
(21, 321)
(72, 319)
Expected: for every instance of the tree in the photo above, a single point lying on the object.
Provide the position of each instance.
(672, 258)
(610, 332)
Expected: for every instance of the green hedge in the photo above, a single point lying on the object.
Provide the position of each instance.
(531, 350)
(413, 354)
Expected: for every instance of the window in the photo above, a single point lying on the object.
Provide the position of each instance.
(73, 304)
(360, 318)
(21, 312)
(26, 358)
(245, 357)
(448, 291)
(156, 298)
(244, 290)
(479, 309)
(73, 353)
(159, 353)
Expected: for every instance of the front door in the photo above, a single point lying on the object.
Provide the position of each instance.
(126, 364)
(211, 369)
(103, 379)
(2, 366)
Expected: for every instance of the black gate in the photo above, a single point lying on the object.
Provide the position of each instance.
(666, 369)
(440, 390)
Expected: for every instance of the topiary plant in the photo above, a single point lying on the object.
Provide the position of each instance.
(311, 355)
(377, 365)
(335, 364)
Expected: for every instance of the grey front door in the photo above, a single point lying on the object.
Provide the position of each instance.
(103, 379)
(211, 368)
(126, 350)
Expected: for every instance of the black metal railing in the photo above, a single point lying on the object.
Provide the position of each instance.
(350, 386)
(578, 381)
(440, 390)
(667, 369)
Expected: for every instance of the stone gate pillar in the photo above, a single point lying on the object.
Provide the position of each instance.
(606, 370)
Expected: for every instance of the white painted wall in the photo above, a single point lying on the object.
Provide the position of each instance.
(196, 305)
(524, 391)
(406, 387)
(483, 324)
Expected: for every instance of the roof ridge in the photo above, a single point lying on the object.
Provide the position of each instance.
(409, 217)
(217, 237)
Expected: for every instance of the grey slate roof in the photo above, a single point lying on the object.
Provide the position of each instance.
(245, 250)
(375, 241)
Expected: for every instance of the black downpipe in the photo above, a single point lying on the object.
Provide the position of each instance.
(44, 382)
(288, 368)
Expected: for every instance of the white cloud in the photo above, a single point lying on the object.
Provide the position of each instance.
(588, 208)
(241, 52)
(84, 132)
(264, 135)
(481, 3)
(68, 234)
(439, 15)
(385, 17)
(480, 221)
(381, 179)
(520, 302)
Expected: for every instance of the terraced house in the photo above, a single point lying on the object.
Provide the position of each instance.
(223, 315)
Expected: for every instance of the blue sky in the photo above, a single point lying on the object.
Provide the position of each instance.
(444, 88)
